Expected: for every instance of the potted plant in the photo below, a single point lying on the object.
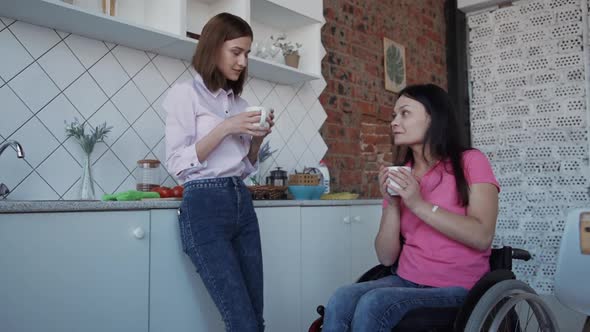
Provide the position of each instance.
(290, 50)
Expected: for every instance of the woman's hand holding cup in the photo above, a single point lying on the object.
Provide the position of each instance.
(384, 185)
(265, 121)
(246, 123)
(266, 115)
(403, 183)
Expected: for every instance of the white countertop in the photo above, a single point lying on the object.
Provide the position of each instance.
(14, 206)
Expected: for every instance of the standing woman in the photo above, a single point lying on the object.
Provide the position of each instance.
(211, 145)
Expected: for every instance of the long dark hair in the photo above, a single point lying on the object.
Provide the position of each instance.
(219, 29)
(445, 137)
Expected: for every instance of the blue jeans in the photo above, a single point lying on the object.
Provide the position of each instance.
(220, 234)
(379, 305)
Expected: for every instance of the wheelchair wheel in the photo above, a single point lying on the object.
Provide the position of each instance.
(511, 305)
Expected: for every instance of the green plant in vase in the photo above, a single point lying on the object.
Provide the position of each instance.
(87, 141)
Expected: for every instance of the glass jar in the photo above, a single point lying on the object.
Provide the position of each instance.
(147, 174)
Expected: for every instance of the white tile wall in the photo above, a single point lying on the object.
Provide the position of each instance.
(48, 77)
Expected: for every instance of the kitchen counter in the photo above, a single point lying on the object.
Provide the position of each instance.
(14, 206)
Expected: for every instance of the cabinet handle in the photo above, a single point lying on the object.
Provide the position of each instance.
(347, 220)
(139, 233)
(357, 219)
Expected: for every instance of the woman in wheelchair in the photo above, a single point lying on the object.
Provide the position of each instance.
(444, 209)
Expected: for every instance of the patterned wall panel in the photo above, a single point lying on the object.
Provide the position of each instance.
(528, 113)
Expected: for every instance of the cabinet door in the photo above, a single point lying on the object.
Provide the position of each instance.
(74, 271)
(280, 233)
(365, 225)
(325, 258)
(179, 301)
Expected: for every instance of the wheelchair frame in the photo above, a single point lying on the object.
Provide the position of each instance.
(491, 290)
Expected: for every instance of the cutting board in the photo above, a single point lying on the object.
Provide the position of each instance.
(163, 199)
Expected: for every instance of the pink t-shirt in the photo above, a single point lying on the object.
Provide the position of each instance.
(430, 258)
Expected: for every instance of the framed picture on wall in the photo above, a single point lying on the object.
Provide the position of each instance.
(394, 65)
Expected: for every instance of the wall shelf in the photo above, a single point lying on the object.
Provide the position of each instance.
(274, 15)
(58, 15)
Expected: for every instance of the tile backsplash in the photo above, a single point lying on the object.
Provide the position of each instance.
(48, 77)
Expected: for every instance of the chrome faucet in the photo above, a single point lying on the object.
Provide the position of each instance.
(20, 153)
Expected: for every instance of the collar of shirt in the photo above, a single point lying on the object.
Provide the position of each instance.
(200, 83)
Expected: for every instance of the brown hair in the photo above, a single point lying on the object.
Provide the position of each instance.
(445, 135)
(219, 29)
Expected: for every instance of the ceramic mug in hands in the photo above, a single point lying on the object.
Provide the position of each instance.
(264, 113)
(393, 183)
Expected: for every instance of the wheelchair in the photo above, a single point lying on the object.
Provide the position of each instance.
(497, 302)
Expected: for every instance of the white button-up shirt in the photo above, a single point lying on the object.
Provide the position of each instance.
(192, 112)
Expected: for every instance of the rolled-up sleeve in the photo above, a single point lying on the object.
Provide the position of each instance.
(181, 153)
(249, 169)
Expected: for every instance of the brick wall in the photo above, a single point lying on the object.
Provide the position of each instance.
(359, 108)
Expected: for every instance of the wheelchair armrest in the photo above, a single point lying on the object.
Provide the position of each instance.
(481, 286)
(376, 272)
(521, 254)
(501, 258)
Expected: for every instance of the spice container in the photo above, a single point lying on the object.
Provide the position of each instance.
(147, 174)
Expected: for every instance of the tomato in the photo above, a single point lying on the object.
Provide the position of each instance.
(177, 191)
(156, 189)
(163, 191)
(166, 192)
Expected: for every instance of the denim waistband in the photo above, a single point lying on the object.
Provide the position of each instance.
(233, 181)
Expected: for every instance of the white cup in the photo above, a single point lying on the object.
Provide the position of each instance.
(263, 114)
(393, 183)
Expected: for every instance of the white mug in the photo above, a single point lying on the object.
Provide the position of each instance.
(393, 183)
(263, 114)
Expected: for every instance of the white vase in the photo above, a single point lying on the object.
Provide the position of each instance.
(87, 188)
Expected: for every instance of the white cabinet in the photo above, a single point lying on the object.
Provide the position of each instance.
(269, 18)
(74, 272)
(159, 26)
(365, 220)
(300, 21)
(313, 9)
(126, 271)
(198, 12)
(179, 301)
(337, 245)
(280, 234)
(325, 256)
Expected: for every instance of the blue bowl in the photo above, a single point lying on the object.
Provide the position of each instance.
(306, 192)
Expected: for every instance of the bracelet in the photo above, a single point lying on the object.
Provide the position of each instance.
(434, 208)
